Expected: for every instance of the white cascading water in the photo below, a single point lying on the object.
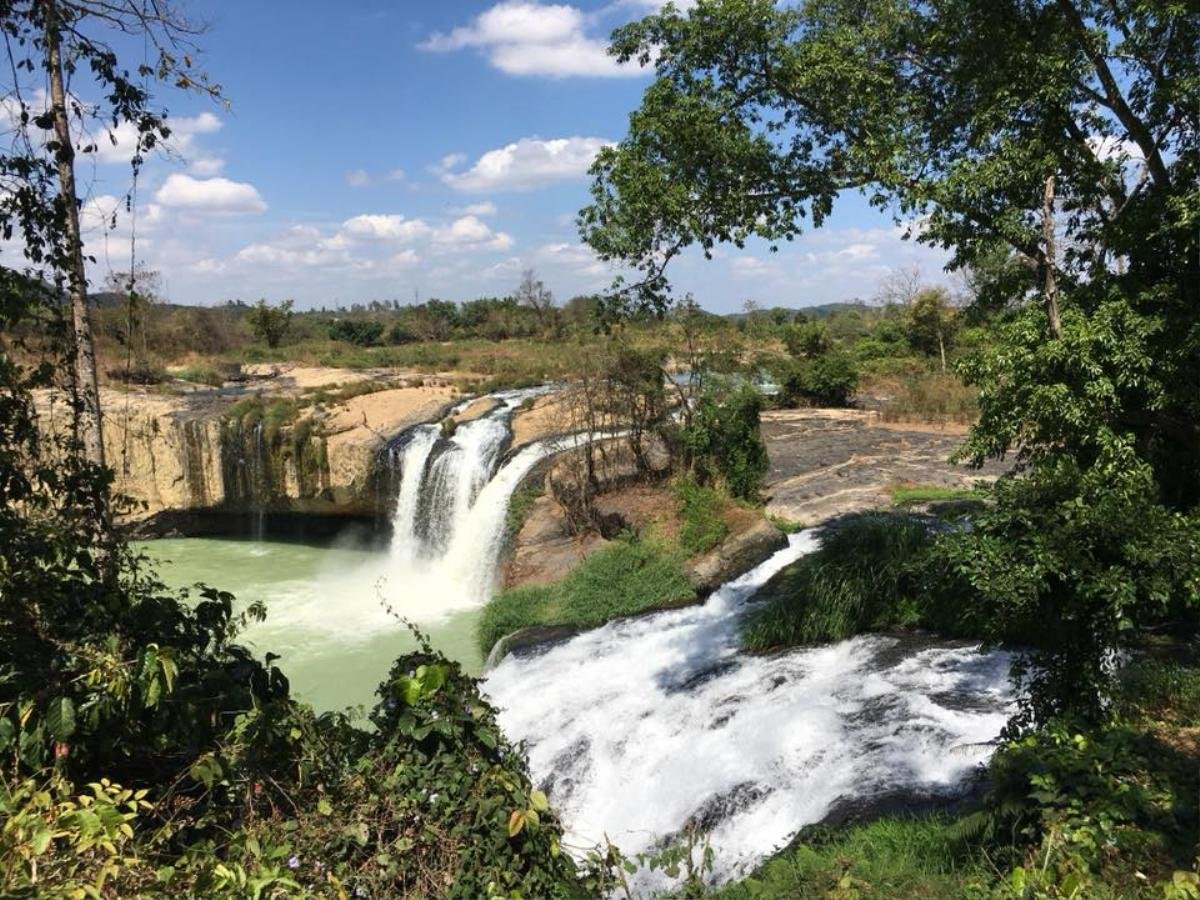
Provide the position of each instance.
(646, 725)
(448, 522)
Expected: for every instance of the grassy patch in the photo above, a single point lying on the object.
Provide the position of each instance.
(1159, 690)
(521, 503)
(701, 516)
(787, 526)
(199, 373)
(626, 577)
(892, 857)
(909, 494)
(856, 581)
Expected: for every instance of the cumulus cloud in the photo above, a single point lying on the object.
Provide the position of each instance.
(209, 195)
(368, 227)
(528, 38)
(529, 162)
(469, 231)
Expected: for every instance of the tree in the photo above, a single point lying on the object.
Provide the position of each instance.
(930, 322)
(1057, 133)
(532, 293)
(65, 41)
(270, 323)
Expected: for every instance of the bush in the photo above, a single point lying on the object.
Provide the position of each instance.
(626, 577)
(723, 442)
(360, 332)
(828, 380)
(1086, 813)
(270, 323)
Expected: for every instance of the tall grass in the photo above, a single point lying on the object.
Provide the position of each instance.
(701, 516)
(890, 857)
(626, 577)
(859, 579)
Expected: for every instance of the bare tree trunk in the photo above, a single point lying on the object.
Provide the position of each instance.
(87, 408)
(1051, 277)
(942, 349)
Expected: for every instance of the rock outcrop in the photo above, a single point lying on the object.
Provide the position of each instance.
(832, 462)
(291, 439)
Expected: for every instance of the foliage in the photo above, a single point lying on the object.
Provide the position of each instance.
(270, 324)
(1108, 809)
(931, 323)
(886, 858)
(626, 577)
(360, 332)
(701, 514)
(864, 576)
(1073, 560)
(807, 340)
(827, 380)
(723, 443)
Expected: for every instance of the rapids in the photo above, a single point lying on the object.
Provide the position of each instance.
(643, 726)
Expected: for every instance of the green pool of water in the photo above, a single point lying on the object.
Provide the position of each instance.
(325, 610)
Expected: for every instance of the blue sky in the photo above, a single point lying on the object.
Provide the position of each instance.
(402, 149)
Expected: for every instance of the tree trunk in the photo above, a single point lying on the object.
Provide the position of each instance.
(942, 349)
(1050, 288)
(87, 407)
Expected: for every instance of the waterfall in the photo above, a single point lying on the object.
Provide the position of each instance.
(448, 520)
(645, 726)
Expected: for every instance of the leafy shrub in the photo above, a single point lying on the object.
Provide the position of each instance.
(701, 513)
(723, 442)
(626, 577)
(360, 332)
(270, 324)
(1089, 812)
(828, 380)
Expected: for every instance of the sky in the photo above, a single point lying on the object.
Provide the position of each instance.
(407, 150)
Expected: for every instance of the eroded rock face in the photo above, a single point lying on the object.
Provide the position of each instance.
(285, 442)
(831, 462)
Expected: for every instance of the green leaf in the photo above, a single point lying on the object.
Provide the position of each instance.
(60, 718)
(538, 801)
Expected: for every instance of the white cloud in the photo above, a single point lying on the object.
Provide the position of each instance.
(527, 163)
(368, 227)
(209, 195)
(471, 231)
(529, 38)
(362, 178)
(486, 208)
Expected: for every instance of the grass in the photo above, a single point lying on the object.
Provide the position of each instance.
(890, 857)
(701, 516)
(199, 373)
(626, 577)
(521, 503)
(909, 494)
(937, 397)
(856, 581)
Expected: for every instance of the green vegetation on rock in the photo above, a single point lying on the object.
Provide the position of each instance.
(628, 576)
